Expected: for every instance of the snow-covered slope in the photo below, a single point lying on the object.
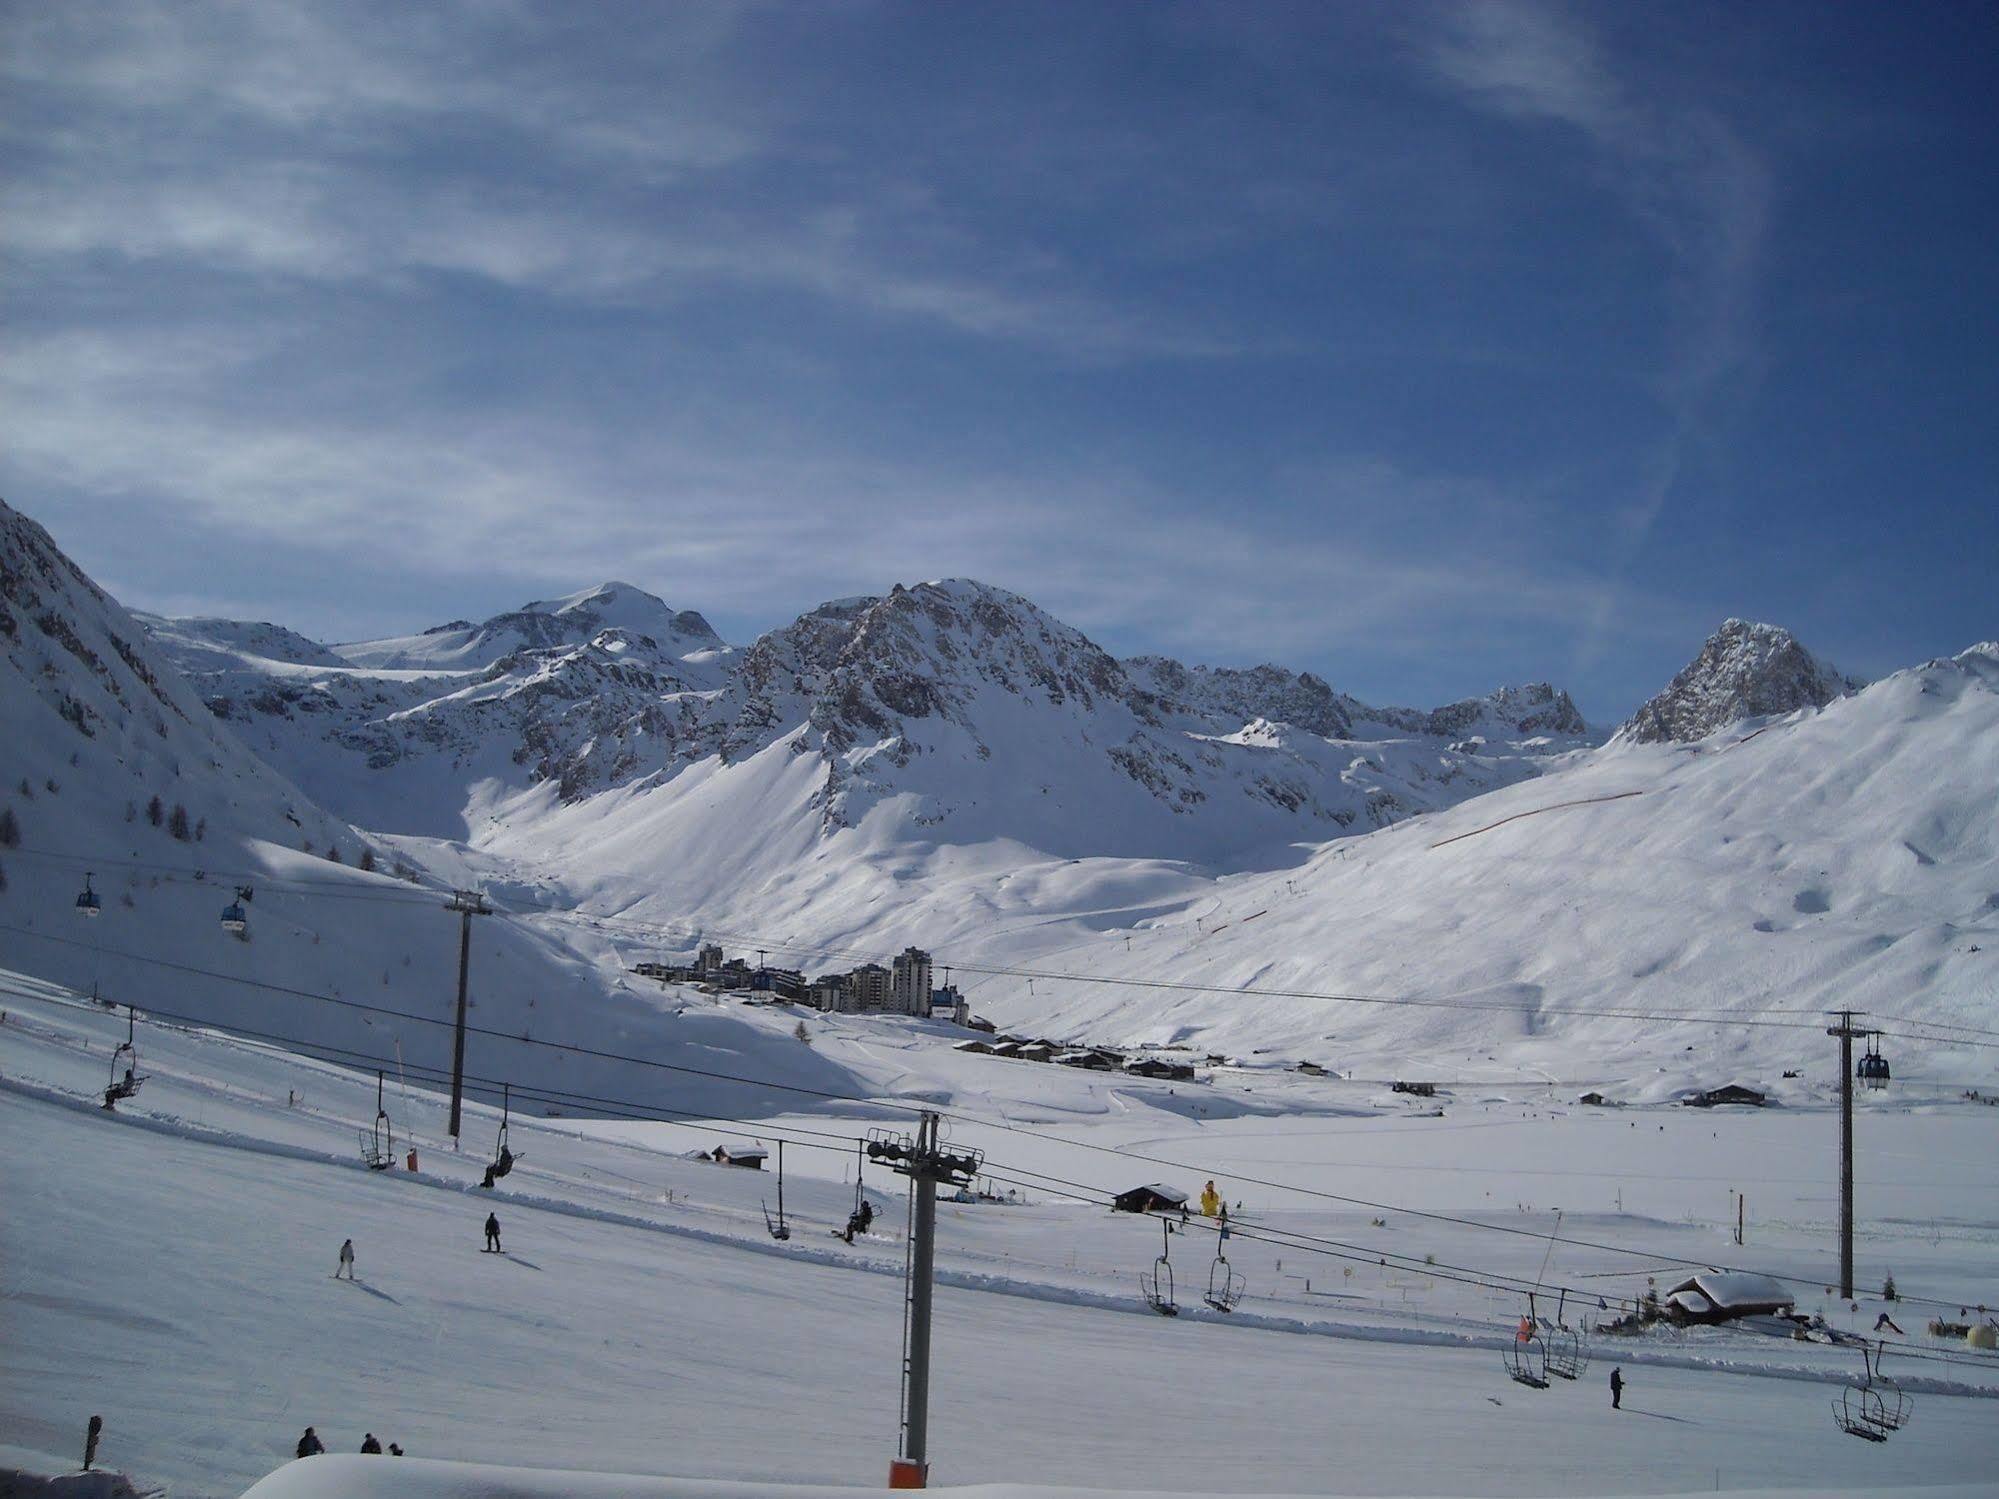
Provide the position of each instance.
(1840, 857)
(1743, 671)
(98, 726)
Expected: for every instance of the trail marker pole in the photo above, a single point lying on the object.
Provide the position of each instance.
(467, 903)
(924, 1161)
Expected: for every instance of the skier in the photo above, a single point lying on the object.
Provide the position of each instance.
(369, 1444)
(492, 1233)
(346, 1260)
(1617, 1389)
(310, 1445)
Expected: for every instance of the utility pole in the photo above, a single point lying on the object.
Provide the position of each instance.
(926, 1164)
(1847, 1033)
(467, 903)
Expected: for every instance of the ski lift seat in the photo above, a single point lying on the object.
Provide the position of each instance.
(233, 919)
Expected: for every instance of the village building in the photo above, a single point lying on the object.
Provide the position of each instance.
(1734, 1093)
(1150, 1199)
(1723, 1295)
(750, 1157)
(909, 982)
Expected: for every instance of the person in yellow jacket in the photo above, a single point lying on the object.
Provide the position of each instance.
(1211, 1201)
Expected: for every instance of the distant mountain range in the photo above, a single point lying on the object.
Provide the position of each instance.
(952, 696)
(948, 765)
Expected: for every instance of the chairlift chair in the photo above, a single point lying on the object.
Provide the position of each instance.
(1527, 1356)
(503, 1155)
(779, 1229)
(378, 1143)
(123, 1087)
(1225, 1285)
(87, 904)
(1565, 1353)
(1875, 1406)
(1157, 1283)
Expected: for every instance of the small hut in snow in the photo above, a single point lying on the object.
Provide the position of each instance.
(1723, 1295)
(1151, 1199)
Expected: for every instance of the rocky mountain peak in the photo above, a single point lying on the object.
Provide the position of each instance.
(1744, 670)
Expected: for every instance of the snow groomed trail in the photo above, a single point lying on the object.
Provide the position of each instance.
(170, 1267)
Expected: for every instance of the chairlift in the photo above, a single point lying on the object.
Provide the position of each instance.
(87, 904)
(1527, 1355)
(1564, 1351)
(233, 918)
(1157, 1283)
(378, 1143)
(503, 1156)
(863, 1214)
(124, 1086)
(779, 1229)
(1875, 1406)
(1225, 1284)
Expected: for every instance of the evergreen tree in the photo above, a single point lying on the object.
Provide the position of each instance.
(155, 811)
(178, 824)
(366, 863)
(10, 829)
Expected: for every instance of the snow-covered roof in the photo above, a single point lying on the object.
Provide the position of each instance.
(1736, 1290)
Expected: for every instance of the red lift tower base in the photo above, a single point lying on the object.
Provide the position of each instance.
(904, 1474)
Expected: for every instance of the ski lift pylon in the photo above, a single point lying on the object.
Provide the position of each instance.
(779, 1229)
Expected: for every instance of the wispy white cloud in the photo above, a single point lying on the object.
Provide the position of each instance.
(1698, 188)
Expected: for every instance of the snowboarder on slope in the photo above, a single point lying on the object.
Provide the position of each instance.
(369, 1444)
(493, 1233)
(1617, 1389)
(346, 1260)
(310, 1445)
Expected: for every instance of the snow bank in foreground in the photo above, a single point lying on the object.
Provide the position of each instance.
(348, 1477)
(25, 1474)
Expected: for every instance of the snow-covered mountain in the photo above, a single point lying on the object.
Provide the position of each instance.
(405, 734)
(1743, 671)
(113, 771)
(1838, 857)
(974, 712)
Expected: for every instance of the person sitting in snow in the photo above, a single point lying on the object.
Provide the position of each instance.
(310, 1445)
(369, 1444)
(1211, 1201)
(395, 1449)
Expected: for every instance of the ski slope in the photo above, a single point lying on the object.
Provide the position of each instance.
(170, 1266)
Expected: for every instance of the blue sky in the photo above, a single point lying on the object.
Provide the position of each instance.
(1423, 346)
